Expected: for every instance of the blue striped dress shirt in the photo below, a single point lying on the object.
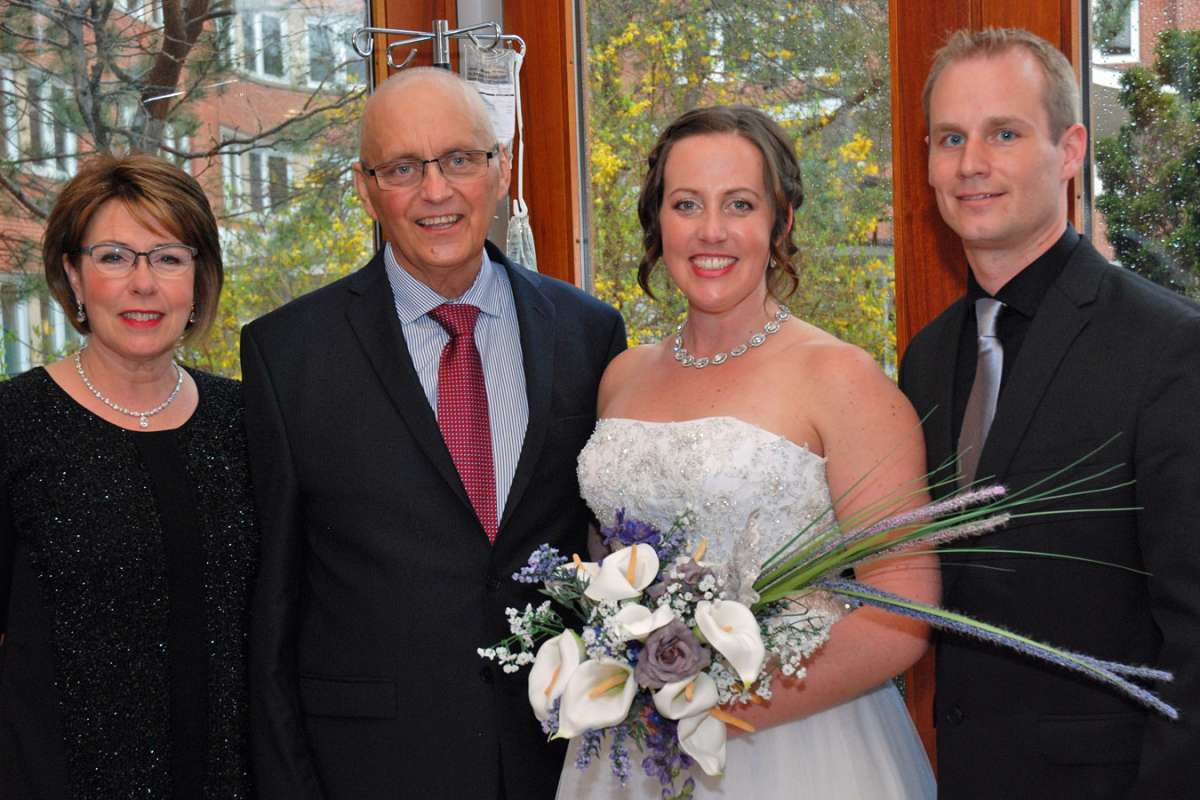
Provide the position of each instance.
(498, 339)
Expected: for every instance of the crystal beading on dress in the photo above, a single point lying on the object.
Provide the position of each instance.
(720, 469)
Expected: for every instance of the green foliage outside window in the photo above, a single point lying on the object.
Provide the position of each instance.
(1151, 168)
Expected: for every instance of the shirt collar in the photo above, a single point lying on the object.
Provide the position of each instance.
(414, 299)
(1025, 291)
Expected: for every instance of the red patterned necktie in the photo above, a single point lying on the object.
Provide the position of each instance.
(462, 411)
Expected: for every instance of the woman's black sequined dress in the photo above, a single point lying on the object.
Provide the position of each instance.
(126, 561)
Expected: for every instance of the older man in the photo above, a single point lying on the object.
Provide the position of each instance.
(1051, 352)
(413, 434)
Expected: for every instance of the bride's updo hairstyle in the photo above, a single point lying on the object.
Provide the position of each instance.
(781, 176)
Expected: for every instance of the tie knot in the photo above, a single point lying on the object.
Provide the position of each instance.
(987, 311)
(457, 318)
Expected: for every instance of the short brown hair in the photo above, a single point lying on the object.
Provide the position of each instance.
(160, 195)
(781, 176)
(1061, 94)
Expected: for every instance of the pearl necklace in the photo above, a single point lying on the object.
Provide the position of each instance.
(143, 416)
(686, 359)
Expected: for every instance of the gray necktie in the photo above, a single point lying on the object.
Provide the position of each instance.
(981, 404)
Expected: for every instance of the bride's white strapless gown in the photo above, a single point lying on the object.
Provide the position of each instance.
(722, 469)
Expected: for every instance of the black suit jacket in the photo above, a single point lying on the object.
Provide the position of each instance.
(1107, 353)
(377, 582)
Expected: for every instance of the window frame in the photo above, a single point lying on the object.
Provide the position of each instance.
(254, 54)
(1134, 55)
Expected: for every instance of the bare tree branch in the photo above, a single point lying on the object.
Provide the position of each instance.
(19, 195)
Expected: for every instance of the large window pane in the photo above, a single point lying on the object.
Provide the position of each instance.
(1144, 118)
(256, 107)
(820, 68)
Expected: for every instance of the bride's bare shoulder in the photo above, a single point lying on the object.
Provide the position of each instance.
(829, 372)
(820, 354)
(626, 371)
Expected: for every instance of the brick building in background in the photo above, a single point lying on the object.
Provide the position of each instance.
(257, 100)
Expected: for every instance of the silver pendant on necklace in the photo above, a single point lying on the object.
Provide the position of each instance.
(143, 417)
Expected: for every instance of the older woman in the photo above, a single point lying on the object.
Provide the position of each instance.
(127, 535)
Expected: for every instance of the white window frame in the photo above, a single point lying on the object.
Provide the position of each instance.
(258, 67)
(262, 197)
(1135, 51)
(18, 328)
(180, 142)
(58, 327)
(10, 146)
(147, 12)
(341, 26)
(231, 177)
(48, 160)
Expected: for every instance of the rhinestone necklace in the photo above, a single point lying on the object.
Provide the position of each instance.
(143, 416)
(686, 359)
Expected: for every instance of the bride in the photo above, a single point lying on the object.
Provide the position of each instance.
(707, 422)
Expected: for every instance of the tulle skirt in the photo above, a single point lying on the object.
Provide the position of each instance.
(865, 749)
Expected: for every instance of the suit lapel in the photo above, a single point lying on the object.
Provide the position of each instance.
(536, 319)
(1064, 312)
(372, 317)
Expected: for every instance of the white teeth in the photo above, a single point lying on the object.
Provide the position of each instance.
(445, 219)
(977, 196)
(713, 262)
(141, 316)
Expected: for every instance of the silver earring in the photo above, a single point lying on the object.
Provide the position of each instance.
(80, 314)
(192, 316)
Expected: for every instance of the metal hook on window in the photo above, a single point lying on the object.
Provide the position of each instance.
(363, 41)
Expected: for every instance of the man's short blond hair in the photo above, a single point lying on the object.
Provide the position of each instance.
(1061, 93)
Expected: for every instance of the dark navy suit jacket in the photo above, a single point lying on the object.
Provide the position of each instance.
(377, 582)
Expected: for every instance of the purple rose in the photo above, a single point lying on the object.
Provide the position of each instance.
(672, 653)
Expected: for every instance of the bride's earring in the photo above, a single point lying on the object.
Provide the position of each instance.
(192, 315)
(80, 314)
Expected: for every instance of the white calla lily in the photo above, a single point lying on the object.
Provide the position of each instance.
(635, 621)
(624, 574)
(597, 696)
(731, 628)
(676, 700)
(703, 738)
(556, 661)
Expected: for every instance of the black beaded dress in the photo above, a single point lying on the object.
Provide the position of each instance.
(126, 561)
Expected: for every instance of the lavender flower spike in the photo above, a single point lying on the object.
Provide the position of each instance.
(1102, 671)
(966, 530)
(931, 511)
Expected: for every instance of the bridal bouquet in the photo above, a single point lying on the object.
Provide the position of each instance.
(667, 646)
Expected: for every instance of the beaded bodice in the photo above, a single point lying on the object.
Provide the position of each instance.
(718, 469)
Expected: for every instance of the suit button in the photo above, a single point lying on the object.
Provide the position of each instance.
(955, 716)
(493, 583)
(485, 675)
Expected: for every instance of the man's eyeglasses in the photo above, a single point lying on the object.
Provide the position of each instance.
(167, 260)
(459, 165)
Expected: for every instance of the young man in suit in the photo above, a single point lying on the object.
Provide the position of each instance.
(1051, 352)
(413, 434)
